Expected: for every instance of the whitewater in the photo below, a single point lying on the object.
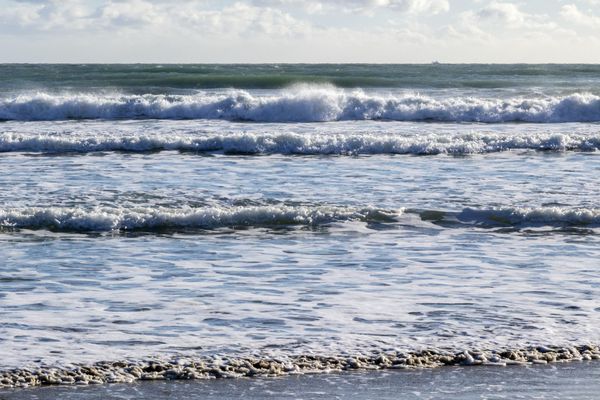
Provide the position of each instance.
(197, 221)
(303, 103)
(341, 138)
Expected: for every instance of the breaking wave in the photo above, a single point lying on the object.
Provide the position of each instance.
(302, 104)
(154, 219)
(66, 219)
(293, 143)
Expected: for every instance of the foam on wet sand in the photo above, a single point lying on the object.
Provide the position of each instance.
(237, 367)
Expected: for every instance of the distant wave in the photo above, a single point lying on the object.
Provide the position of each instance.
(65, 219)
(154, 219)
(293, 143)
(301, 104)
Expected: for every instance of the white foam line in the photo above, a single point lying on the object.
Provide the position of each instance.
(294, 143)
(302, 104)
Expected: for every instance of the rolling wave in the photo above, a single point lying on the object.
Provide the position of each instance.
(65, 219)
(155, 219)
(294, 143)
(302, 104)
(516, 217)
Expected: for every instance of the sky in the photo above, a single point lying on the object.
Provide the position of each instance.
(366, 31)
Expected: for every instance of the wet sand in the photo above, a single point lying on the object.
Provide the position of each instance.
(574, 380)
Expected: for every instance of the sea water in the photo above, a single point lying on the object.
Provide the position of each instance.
(280, 210)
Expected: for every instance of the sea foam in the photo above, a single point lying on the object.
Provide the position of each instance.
(302, 104)
(299, 143)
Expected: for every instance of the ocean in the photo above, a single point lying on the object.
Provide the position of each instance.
(235, 220)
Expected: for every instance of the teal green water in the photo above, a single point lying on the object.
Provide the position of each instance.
(148, 77)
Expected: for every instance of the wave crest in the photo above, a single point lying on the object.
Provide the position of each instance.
(152, 219)
(293, 143)
(74, 219)
(553, 216)
(515, 217)
(302, 104)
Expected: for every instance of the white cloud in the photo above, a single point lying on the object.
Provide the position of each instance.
(44, 15)
(135, 12)
(363, 6)
(507, 15)
(238, 19)
(245, 19)
(19, 15)
(298, 30)
(571, 13)
(157, 16)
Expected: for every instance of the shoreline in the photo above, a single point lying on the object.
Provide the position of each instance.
(215, 367)
(549, 381)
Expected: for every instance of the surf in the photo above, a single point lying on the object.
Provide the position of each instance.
(301, 103)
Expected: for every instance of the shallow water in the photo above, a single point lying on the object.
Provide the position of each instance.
(283, 254)
(561, 381)
(154, 236)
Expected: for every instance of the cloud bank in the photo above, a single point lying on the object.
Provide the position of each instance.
(296, 30)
